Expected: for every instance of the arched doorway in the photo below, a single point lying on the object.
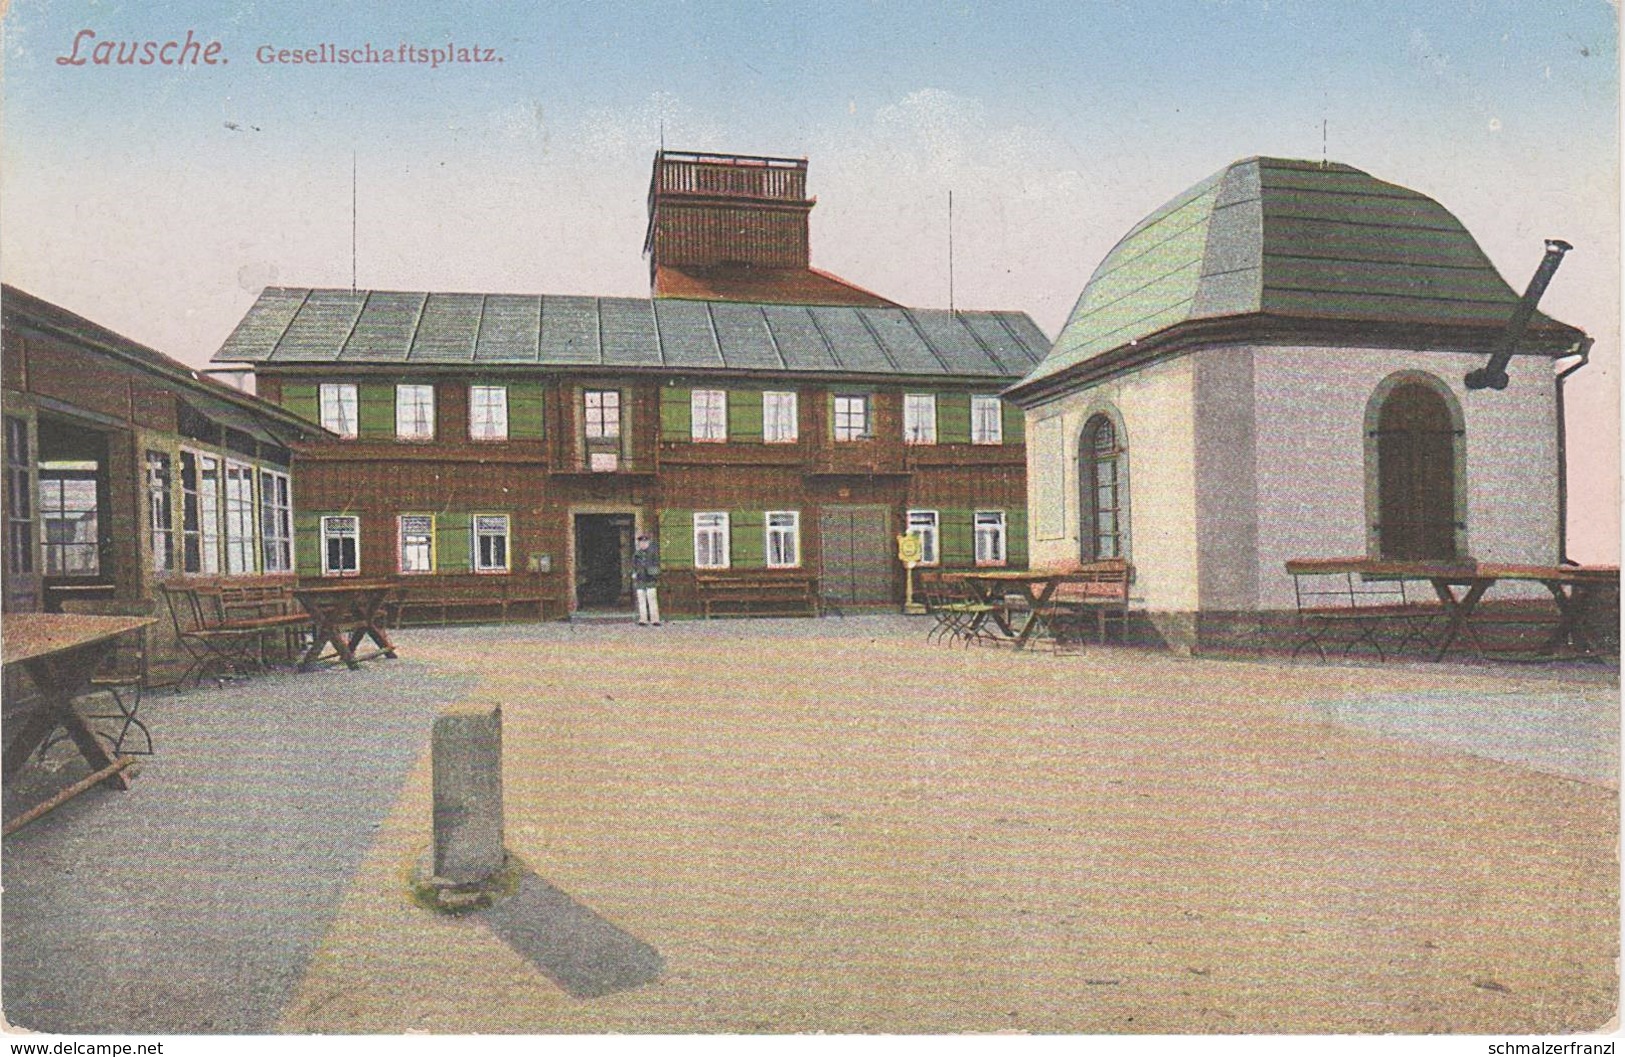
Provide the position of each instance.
(1416, 475)
(1103, 492)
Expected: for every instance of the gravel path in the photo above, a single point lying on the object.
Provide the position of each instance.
(191, 902)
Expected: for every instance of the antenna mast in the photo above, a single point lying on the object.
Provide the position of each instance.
(352, 221)
(950, 249)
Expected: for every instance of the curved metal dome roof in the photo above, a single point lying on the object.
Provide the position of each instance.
(1293, 240)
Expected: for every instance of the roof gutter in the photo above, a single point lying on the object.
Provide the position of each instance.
(1582, 349)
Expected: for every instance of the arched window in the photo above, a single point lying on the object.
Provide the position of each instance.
(1416, 475)
(1103, 491)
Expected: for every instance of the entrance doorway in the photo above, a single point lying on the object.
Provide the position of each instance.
(603, 550)
(1416, 475)
(857, 548)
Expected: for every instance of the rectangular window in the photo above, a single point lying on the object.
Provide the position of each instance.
(923, 523)
(239, 518)
(986, 420)
(191, 515)
(414, 412)
(603, 418)
(488, 412)
(490, 543)
(783, 539)
(851, 417)
(276, 521)
(341, 546)
(338, 402)
(68, 516)
(990, 537)
(160, 512)
(919, 418)
(19, 498)
(417, 543)
(779, 418)
(209, 512)
(708, 411)
(710, 541)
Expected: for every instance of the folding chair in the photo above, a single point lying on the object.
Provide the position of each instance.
(213, 650)
(122, 677)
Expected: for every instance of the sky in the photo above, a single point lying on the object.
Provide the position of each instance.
(158, 200)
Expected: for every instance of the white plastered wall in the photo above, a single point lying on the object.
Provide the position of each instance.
(1310, 421)
(1154, 408)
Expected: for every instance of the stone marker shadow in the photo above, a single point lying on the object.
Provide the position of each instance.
(572, 946)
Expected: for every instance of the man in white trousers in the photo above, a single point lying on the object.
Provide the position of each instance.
(645, 578)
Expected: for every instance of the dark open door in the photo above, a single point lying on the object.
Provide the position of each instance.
(1416, 476)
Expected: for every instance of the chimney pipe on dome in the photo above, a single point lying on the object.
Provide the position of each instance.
(1493, 375)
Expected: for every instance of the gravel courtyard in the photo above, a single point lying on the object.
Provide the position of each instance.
(830, 826)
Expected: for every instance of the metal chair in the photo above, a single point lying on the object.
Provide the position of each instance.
(213, 650)
(123, 677)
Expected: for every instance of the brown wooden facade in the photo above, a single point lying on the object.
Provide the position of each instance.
(558, 506)
(126, 469)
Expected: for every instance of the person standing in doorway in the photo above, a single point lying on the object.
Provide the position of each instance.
(645, 578)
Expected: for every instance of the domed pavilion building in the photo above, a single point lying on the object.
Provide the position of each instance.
(1271, 366)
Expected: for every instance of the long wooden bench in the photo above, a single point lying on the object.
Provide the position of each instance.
(768, 593)
(427, 602)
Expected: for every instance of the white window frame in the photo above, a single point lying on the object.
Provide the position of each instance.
(919, 418)
(927, 525)
(242, 519)
(421, 426)
(844, 420)
(276, 521)
(605, 428)
(991, 523)
(211, 510)
(715, 526)
(779, 411)
(161, 510)
(708, 415)
(339, 404)
(788, 532)
(986, 420)
(427, 545)
(478, 533)
(493, 424)
(331, 529)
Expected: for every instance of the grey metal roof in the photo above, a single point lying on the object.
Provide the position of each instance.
(293, 325)
(1292, 240)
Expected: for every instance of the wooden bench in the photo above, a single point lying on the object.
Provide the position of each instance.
(427, 602)
(1092, 592)
(760, 594)
(1336, 593)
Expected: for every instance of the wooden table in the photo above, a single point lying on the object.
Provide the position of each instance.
(341, 615)
(1460, 586)
(1036, 586)
(61, 652)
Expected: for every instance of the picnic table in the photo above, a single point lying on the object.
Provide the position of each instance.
(1035, 586)
(342, 614)
(1460, 586)
(61, 652)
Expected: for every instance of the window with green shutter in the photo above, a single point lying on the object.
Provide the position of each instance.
(1015, 520)
(957, 537)
(307, 543)
(376, 419)
(677, 539)
(1015, 424)
(676, 416)
(300, 398)
(745, 415)
(525, 414)
(747, 539)
(953, 418)
(451, 542)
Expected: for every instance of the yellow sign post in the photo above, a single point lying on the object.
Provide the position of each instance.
(909, 552)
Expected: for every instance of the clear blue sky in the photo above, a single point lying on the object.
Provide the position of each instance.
(1057, 125)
